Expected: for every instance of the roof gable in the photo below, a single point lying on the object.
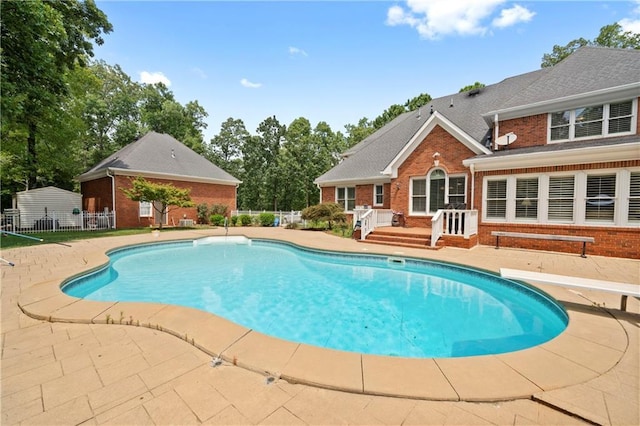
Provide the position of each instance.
(157, 154)
(435, 119)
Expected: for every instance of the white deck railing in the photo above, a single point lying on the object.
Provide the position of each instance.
(368, 219)
(462, 223)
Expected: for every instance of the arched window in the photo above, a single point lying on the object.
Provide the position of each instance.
(435, 191)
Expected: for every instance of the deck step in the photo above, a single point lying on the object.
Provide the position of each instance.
(398, 244)
(402, 238)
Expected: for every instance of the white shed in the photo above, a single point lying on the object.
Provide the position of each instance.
(44, 208)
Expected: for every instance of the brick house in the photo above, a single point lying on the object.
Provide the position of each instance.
(554, 151)
(162, 159)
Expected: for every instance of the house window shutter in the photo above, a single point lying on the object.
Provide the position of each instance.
(589, 121)
(527, 198)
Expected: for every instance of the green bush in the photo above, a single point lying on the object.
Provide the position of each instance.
(292, 225)
(234, 220)
(267, 219)
(217, 220)
(245, 219)
(220, 209)
(203, 213)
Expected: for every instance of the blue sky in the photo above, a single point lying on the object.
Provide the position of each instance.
(338, 61)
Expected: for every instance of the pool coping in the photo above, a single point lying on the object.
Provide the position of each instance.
(579, 354)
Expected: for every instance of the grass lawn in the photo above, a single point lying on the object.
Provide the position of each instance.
(11, 241)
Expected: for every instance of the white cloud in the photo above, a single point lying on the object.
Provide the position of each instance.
(437, 18)
(297, 51)
(154, 77)
(199, 72)
(509, 17)
(250, 85)
(630, 25)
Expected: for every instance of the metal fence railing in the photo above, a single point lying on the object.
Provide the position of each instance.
(21, 222)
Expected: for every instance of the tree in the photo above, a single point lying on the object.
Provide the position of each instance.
(41, 42)
(476, 85)
(418, 101)
(610, 36)
(329, 212)
(161, 196)
(225, 148)
(359, 132)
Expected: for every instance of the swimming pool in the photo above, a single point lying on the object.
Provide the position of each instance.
(369, 304)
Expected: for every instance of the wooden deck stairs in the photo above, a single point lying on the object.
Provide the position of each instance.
(402, 237)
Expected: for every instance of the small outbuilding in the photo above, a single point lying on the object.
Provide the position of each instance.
(158, 158)
(45, 208)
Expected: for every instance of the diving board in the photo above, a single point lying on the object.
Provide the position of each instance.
(622, 289)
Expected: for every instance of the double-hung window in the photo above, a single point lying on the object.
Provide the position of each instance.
(346, 197)
(561, 198)
(145, 209)
(496, 199)
(600, 200)
(592, 121)
(527, 198)
(378, 195)
(457, 189)
(418, 195)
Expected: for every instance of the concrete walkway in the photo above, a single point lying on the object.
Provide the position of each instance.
(70, 373)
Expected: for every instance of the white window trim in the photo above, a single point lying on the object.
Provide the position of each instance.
(144, 204)
(375, 186)
(346, 194)
(427, 177)
(605, 122)
(621, 197)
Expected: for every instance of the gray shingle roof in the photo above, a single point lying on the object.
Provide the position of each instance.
(161, 153)
(586, 70)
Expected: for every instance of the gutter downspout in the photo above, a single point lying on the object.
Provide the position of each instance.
(472, 169)
(113, 197)
(496, 131)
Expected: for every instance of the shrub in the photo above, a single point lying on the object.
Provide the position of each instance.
(245, 219)
(234, 220)
(220, 209)
(329, 212)
(267, 219)
(291, 225)
(203, 213)
(217, 219)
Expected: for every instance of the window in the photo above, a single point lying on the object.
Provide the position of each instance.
(145, 209)
(527, 198)
(378, 195)
(600, 201)
(347, 198)
(620, 116)
(561, 190)
(497, 199)
(634, 198)
(419, 195)
(592, 121)
(457, 190)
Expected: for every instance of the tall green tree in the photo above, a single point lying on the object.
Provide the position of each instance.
(359, 132)
(41, 42)
(476, 85)
(610, 36)
(225, 148)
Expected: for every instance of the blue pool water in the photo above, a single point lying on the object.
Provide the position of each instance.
(361, 303)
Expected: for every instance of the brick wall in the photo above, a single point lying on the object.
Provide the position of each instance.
(610, 241)
(531, 131)
(420, 162)
(127, 211)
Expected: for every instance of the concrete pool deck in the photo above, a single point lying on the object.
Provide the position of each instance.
(62, 363)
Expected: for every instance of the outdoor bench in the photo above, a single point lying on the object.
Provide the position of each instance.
(583, 240)
(622, 289)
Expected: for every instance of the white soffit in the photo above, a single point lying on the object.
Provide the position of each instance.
(595, 154)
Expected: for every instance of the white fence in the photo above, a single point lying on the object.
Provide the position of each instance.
(284, 217)
(463, 223)
(16, 221)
